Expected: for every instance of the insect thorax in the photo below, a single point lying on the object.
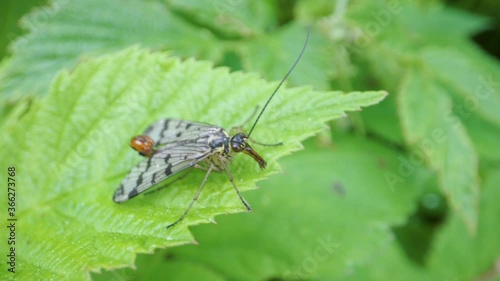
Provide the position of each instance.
(221, 155)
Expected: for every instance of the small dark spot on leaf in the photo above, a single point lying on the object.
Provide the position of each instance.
(339, 188)
(169, 256)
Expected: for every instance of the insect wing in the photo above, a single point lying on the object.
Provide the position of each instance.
(159, 167)
(167, 131)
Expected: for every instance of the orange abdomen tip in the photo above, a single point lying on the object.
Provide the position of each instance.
(143, 144)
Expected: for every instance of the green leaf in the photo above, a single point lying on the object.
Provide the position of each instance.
(440, 23)
(484, 135)
(302, 225)
(399, 35)
(71, 152)
(472, 83)
(473, 257)
(390, 262)
(377, 120)
(443, 85)
(437, 137)
(60, 34)
(268, 54)
(160, 265)
(230, 18)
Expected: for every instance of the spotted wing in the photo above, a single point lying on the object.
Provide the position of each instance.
(166, 131)
(158, 168)
(178, 147)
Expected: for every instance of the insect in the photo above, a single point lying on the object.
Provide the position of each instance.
(172, 146)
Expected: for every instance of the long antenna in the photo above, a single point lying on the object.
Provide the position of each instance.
(282, 81)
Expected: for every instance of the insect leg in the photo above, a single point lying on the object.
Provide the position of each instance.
(203, 168)
(195, 198)
(237, 191)
(251, 116)
(239, 129)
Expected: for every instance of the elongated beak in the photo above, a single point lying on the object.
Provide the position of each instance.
(249, 151)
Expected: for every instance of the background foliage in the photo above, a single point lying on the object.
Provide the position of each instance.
(404, 189)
